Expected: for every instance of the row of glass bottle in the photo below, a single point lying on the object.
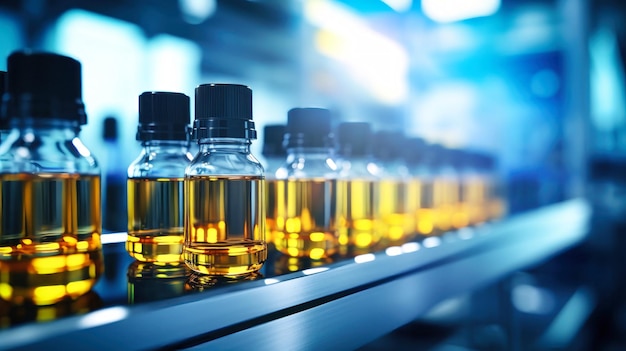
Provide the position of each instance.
(366, 191)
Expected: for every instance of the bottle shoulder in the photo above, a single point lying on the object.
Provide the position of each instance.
(159, 164)
(27, 152)
(308, 167)
(224, 163)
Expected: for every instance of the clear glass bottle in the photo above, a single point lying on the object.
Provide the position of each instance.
(356, 210)
(50, 207)
(446, 187)
(156, 178)
(393, 195)
(224, 186)
(305, 215)
(417, 159)
(274, 155)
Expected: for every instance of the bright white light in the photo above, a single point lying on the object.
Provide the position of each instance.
(80, 147)
(431, 242)
(197, 11)
(399, 5)
(372, 59)
(410, 247)
(314, 270)
(457, 10)
(269, 281)
(364, 258)
(174, 64)
(465, 233)
(102, 317)
(113, 238)
(393, 251)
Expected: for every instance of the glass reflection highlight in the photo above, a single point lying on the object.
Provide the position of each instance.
(152, 281)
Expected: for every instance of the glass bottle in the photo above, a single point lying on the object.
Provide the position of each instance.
(224, 186)
(156, 178)
(446, 187)
(393, 199)
(417, 160)
(50, 209)
(306, 217)
(274, 155)
(356, 184)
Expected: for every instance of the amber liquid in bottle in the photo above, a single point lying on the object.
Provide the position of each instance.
(49, 236)
(305, 218)
(226, 224)
(155, 219)
(397, 215)
(271, 208)
(356, 221)
(446, 199)
(426, 213)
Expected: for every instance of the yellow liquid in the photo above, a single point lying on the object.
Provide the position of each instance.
(49, 236)
(446, 193)
(225, 225)
(356, 215)
(426, 214)
(305, 218)
(396, 210)
(155, 219)
(270, 208)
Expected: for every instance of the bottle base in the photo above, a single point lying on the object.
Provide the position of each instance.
(226, 259)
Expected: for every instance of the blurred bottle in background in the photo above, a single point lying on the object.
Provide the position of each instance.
(274, 155)
(4, 128)
(306, 187)
(394, 192)
(156, 178)
(114, 201)
(356, 210)
(417, 159)
(446, 188)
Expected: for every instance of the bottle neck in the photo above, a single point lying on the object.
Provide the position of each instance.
(157, 146)
(28, 128)
(310, 152)
(238, 145)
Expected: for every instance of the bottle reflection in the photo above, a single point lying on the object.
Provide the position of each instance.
(197, 282)
(151, 281)
(42, 281)
(286, 264)
(13, 314)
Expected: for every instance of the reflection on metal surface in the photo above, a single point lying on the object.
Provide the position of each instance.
(394, 251)
(201, 282)
(465, 233)
(102, 317)
(365, 258)
(113, 238)
(151, 281)
(431, 242)
(285, 264)
(13, 314)
(410, 247)
(269, 281)
(316, 270)
(48, 280)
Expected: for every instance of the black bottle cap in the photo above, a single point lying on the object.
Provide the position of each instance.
(44, 85)
(109, 132)
(388, 145)
(354, 138)
(273, 140)
(163, 116)
(308, 127)
(223, 111)
(414, 150)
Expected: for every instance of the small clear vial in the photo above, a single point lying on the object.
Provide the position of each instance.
(306, 184)
(156, 178)
(224, 186)
(50, 210)
(356, 209)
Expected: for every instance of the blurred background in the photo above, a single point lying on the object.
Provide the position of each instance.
(538, 84)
